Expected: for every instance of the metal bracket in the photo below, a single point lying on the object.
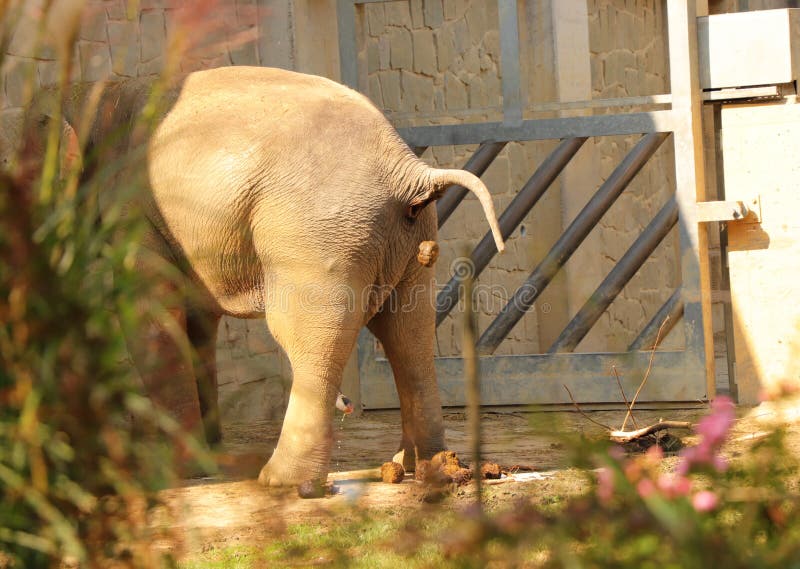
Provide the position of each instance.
(744, 211)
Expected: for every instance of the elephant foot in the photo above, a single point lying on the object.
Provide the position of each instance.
(278, 473)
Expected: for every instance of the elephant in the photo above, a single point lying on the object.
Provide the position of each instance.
(282, 196)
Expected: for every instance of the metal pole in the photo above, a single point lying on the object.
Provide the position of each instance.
(477, 164)
(672, 308)
(569, 241)
(616, 280)
(473, 387)
(516, 211)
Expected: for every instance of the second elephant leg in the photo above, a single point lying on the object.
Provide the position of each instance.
(201, 328)
(406, 329)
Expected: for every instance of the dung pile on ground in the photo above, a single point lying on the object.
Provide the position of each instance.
(446, 468)
(392, 472)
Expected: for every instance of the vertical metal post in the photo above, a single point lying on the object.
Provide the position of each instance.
(691, 187)
(348, 50)
(509, 61)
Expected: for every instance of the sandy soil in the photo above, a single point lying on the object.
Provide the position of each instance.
(234, 509)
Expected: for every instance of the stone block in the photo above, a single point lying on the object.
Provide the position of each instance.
(478, 96)
(472, 64)
(259, 341)
(443, 156)
(417, 91)
(424, 52)
(596, 64)
(402, 54)
(244, 54)
(455, 93)
(433, 13)
(450, 9)
(95, 61)
(122, 37)
(390, 88)
(253, 402)
(116, 9)
(23, 38)
(398, 14)
(373, 56)
(93, 24)
(374, 91)
(417, 15)
(153, 35)
(235, 329)
(477, 22)
(461, 39)
(445, 47)
(376, 19)
(49, 72)
(384, 52)
(18, 80)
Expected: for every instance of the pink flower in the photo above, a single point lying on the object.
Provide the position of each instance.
(715, 426)
(705, 501)
(605, 484)
(713, 429)
(674, 485)
(646, 488)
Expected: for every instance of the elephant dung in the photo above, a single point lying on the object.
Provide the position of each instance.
(428, 253)
(491, 470)
(392, 472)
(446, 458)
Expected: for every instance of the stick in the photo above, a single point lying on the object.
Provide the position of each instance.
(367, 474)
(628, 436)
(646, 373)
(624, 398)
(577, 407)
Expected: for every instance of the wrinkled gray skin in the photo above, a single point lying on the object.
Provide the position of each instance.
(286, 196)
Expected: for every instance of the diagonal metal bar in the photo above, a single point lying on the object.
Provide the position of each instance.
(516, 211)
(569, 241)
(673, 308)
(477, 164)
(616, 280)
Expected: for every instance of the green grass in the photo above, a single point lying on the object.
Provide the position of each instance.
(375, 543)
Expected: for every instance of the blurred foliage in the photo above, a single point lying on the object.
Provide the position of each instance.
(82, 451)
(704, 512)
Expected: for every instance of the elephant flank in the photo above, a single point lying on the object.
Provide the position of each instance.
(442, 179)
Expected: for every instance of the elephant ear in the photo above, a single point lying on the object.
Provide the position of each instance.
(440, 180)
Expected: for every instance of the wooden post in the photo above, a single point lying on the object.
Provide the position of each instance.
(691, 186)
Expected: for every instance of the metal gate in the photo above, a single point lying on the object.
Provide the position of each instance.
(675, 376)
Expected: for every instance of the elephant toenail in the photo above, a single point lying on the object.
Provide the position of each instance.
(428, 253)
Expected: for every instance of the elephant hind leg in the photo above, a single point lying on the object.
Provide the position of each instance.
(406, 330)
(158, 344)
(201, 327)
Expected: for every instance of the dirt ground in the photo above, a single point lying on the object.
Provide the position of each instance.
(233, 509)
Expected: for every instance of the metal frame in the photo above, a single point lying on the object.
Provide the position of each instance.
(685, 375)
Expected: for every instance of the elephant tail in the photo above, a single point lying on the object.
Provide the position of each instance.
(442, 179)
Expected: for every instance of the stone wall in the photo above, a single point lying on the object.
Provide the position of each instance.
(438, 62)
(422, 62)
